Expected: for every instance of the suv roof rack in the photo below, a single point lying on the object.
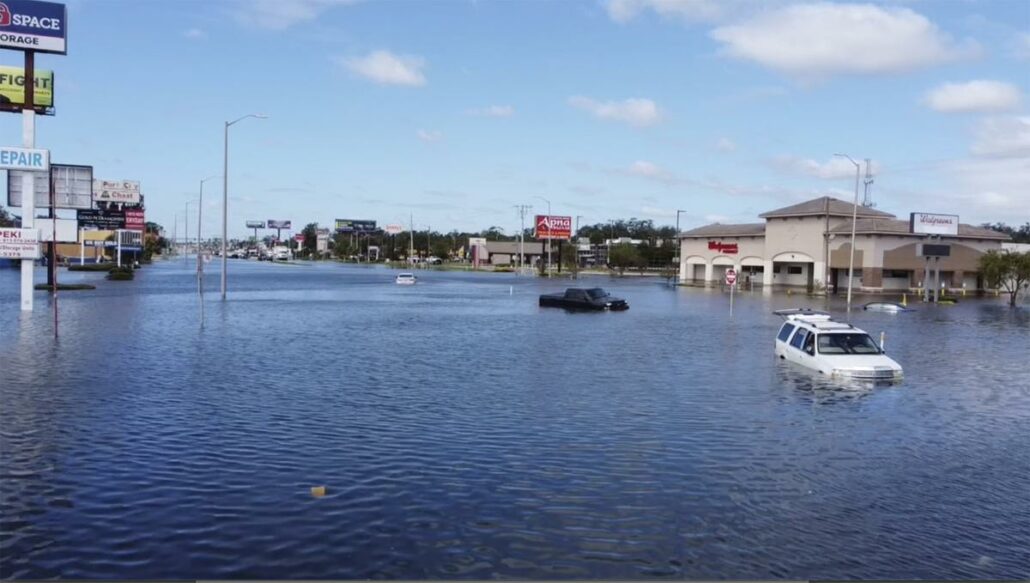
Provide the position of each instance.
(800, 312)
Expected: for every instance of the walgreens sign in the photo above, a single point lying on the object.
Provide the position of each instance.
(553, 227)
(933, 224)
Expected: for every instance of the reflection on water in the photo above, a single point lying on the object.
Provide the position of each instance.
(462, 431)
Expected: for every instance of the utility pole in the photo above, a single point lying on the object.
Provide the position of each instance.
(523, 209)
(548, 234)
(854, 222)
(575, 249)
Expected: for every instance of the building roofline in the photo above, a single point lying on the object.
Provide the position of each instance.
(728, 230)
(822, 206)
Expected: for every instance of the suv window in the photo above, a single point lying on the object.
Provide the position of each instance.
(799, 338)
(785, 331)
(847, 343)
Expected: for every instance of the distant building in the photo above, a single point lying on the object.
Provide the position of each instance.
(507, 252)
(323, 241)
(808, 245)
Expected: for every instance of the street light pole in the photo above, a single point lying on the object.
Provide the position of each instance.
(678, 213)
(575, 250)
(548, 234)
(186, 236)
(854, 221)
(225, 196)
(200, 217)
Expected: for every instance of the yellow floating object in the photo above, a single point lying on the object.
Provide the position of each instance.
(904, 299)
(318, 491)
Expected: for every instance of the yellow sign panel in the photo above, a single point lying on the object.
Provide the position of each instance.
(12, 87)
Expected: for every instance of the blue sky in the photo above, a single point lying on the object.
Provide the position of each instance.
(455, 111)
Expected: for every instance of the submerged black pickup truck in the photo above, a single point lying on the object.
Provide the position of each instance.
(576, 298)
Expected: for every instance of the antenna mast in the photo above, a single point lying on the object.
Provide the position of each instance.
(867, 200)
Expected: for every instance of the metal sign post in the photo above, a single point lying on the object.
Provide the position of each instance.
(36, 26)
(731, 280)
(28, 203)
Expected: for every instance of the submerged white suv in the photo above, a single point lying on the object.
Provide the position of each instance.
(813, 340)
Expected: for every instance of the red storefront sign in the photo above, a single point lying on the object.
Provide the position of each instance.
(727, 248)
(134, 220)
(553, 227)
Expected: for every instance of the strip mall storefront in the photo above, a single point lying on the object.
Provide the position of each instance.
(807, 246)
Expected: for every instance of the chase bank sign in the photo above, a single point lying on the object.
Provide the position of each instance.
(29, 25)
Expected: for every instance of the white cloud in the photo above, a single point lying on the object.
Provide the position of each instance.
(820, 39)
(493, 111)
(194, 33)
(282, 14)
(725, 145)
(650, 171)
(835, 168)
(1002, 137)
(429, 136)
(657, 212)
(688, 10)
(974, 96)
(1021, 46)
(386, 68)
(982, 190)
(645, 169)
(635, 111)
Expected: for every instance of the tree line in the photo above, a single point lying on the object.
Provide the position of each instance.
(1018, 234)
(657, 245)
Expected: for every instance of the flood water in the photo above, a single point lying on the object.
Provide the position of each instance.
(461, 431)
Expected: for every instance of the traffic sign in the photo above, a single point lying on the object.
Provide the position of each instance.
(731, 276)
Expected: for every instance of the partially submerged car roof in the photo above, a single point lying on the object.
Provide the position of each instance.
(816, 319)
(800, 312)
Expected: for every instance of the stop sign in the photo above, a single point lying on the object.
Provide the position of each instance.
(731, 277)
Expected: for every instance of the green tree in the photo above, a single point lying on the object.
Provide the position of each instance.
(442, 247)
(570, 258)
(1006, 270)
(153, 242)
(623, 256)
(342, 246)
(310, 247)
(1020, 235)
(6, 220)
(494, 233)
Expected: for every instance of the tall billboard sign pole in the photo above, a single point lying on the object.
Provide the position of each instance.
(28, 184)
(30, 26)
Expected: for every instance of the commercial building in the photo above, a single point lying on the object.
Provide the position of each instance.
(507, 252)
(808, 246)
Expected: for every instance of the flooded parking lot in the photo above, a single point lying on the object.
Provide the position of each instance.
(462, 431)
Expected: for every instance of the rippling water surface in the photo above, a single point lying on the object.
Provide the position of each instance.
(463, 432)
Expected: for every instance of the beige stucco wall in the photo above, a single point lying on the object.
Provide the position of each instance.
(713, 263)
(804, 234)
(799, 242)
(876, 253)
